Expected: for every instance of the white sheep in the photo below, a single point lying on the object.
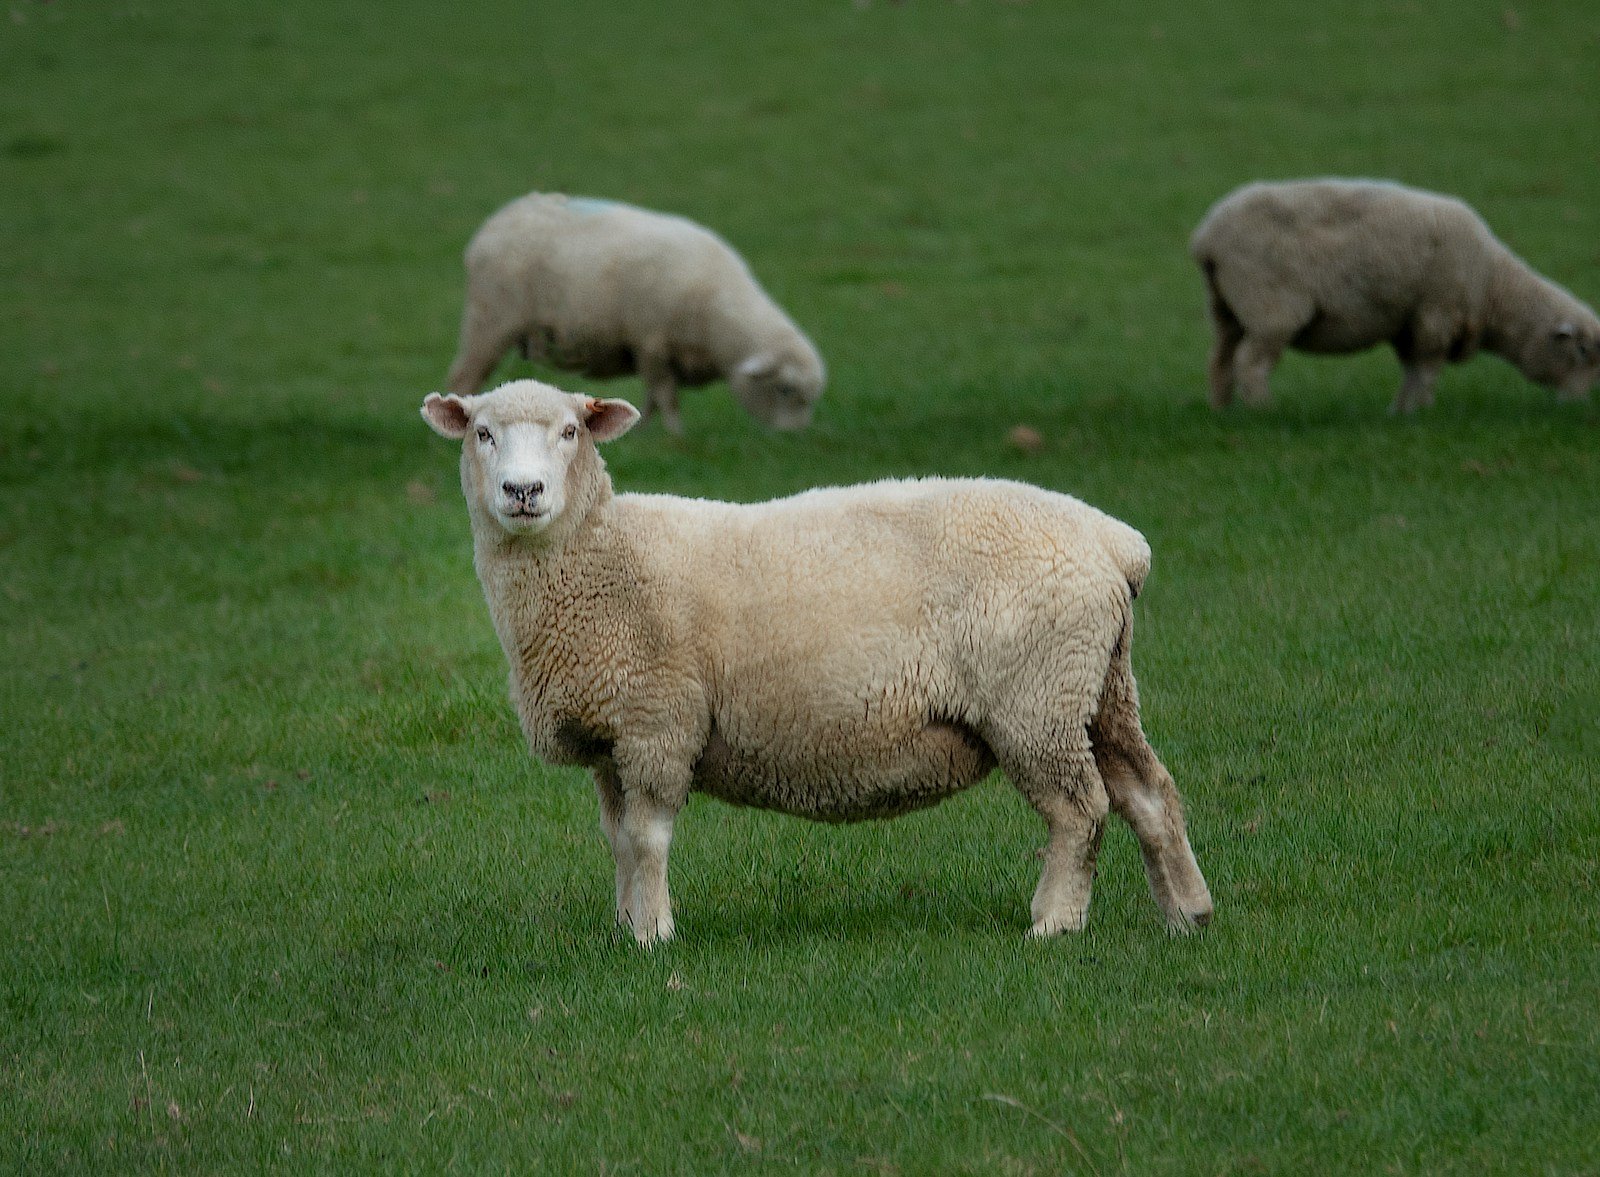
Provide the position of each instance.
(1335, 266)
(609, 290)
(840, 655)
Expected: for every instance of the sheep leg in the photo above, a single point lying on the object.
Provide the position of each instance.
(661, 387)
(1416, 387)
(1254, 361)
(1074, 807)
(1060, 781)
(1142, 794)
(1219, 369)
(647, 827)
(611, 807)
(484, 339)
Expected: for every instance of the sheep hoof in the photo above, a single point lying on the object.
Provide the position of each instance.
(1186, 923)
(1054, 925)
(651, 932)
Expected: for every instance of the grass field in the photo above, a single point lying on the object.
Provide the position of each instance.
(280, 886)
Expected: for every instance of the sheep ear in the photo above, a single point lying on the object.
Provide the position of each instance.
(608, 419)
(448, 416)
(756, 366)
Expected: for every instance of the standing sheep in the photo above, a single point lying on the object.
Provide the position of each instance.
(840, 655)
(608, 290)
(1337, 266)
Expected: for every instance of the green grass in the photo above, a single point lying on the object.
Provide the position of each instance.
(280, 886)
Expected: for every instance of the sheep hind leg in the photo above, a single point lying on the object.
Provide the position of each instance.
(1142, 793)
(1254, 360)
(1065, 789)
(484, 339)
(611, 808)
(661, 388)
(647, 826)
(1220, 367)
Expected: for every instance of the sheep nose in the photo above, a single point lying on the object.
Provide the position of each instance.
(522, 490)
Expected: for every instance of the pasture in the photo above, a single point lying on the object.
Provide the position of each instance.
(280, 885)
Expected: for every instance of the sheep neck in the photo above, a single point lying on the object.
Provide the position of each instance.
(738, 323)
(530, 580)
(1518, 307)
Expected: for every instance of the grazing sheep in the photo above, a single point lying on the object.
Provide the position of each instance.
(840, 655)
(608, 290)
(1335, 266)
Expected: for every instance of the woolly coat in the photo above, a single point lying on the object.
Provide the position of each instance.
(839, 655)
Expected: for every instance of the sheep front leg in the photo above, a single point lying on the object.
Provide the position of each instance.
(661, 387)
(1416, 388)
(647, 828)
(611, 808)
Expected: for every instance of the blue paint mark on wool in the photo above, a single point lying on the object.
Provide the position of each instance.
(589, 204)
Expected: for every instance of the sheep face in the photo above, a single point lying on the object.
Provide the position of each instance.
(521, 445)
(779, 391)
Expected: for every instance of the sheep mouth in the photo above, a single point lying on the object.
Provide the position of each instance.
(525, 518)
(789, 422)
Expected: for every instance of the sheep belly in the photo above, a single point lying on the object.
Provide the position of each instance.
(1341, 332)
(848, 772)
(598, 358)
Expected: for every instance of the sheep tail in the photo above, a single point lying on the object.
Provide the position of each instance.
(1131, 553)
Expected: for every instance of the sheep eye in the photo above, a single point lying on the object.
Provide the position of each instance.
(569, 433)
(484, 435)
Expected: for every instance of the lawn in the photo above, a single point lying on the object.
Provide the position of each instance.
(281, 887)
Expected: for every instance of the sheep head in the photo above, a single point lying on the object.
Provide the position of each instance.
(1556, 343)
(1570, 357)
(780, 388)
(528, 459)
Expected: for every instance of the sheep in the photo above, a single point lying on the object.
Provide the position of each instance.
(608, 289)
(1336, 266)
(840, 655)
